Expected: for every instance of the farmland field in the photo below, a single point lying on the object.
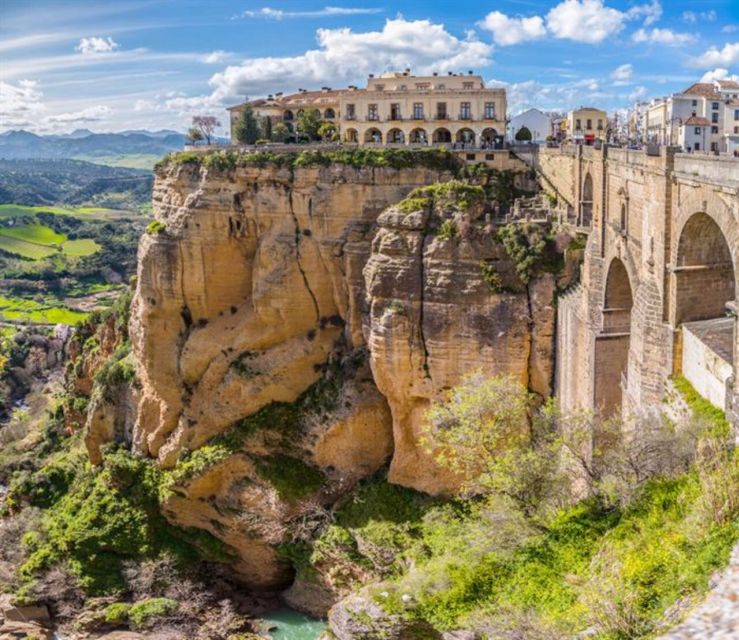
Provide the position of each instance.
(85, 213)
(36, 233)
(80, 247)
(24, 310)
(29, 250)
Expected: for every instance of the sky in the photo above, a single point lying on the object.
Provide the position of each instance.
(113, 65)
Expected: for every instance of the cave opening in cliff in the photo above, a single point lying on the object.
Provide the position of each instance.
(612, 344)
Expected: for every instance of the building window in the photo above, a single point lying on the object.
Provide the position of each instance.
(468, 85)
(590, 124)
(395, 111)
(600, 124)
(418, 110)
(350, 112)
(578, 125)
(714, 146)
(441, 111)
(372, 112)
(379, 87)
(714, 129)
(441, 86)
(714, 106)
(736, 129)
(697, 131)
(490, 110)
(402, 87)
(422, 86)
(695, 103)
(714, 117)
(470, 156)
(464, 111)
(697, 146)
(736, 114)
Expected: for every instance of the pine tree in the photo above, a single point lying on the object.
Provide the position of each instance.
(247, 129)
(267, 128)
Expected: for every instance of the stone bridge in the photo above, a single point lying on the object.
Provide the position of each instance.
(658, 291)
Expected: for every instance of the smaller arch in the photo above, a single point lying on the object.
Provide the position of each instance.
(288, 116)
(373, 135)
(442, 135)
(351, 135)
(418, 136)
(395, 136)
(489, 137)
(586, 202)
(329, 114)
(466, 136)
(618, 287)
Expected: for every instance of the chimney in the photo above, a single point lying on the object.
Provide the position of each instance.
(450, 73)
(436, 73)
(371, 75)
(470, 72)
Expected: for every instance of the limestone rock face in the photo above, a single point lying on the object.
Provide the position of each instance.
(291, 327)
(434, 317)
(252, 288)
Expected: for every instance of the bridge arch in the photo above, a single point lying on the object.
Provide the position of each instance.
(704, 277)
(613, 342)
(586, 202)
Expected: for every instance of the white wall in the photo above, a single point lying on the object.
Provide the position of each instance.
(705, 369)
(540, 125)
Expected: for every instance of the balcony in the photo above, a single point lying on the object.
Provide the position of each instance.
(441, 116)
(465, 116)
(373, 117)
(395, 116)
(350, 116)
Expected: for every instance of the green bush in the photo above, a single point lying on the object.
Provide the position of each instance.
(155, 227)
(143, 614)
(447, 230)
(117, 613)
(292, 478)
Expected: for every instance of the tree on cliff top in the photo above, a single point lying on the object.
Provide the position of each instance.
(247, 128)
(206, 125)
(309, 120)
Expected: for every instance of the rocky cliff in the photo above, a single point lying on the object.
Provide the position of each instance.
(292, 323)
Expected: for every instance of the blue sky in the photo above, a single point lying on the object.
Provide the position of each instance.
(125, 64)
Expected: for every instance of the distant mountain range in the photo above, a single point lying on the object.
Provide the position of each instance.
(83, 143)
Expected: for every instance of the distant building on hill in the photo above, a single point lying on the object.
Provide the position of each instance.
(398, 108)
(586, 125)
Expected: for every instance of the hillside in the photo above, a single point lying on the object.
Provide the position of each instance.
(72, 182)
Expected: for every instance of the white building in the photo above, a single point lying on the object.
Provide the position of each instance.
(694, 134)
(637, 122)
(667, 118)
(538, 122)
(731, 127)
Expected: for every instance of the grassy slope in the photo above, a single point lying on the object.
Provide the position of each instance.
(134, 160)
(24, 310)
(25, 249)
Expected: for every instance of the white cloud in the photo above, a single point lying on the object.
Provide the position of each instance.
(622, 75)
(587, 21)
(279, 14)
(216, 57)
(694, 16)
(730, 28)
(553, 97)
(95, 44)
(662, 36)
(88, 114)
(344, 56)
(719, 74)
(19, 103)
(715, 57)
(507, 31)
(639, 93)
(650, 12)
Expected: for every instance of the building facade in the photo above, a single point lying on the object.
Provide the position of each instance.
(586, 125)
(400, 108)
(670, 120)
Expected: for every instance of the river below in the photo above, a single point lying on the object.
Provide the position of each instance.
(288, 624)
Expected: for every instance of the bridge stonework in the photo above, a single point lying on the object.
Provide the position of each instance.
(662, 250)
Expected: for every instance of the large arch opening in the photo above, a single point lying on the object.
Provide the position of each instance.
(418, 136)
(703, 281)
(586, 203)
(395, 136)
(612, 344)
(287, 115)
(329, 114)
(351, 135)
(373, 135)
(442, 135)
(704, 278)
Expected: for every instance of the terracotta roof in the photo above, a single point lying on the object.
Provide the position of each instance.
(697, 121)
(728, 84)
(705, 89)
